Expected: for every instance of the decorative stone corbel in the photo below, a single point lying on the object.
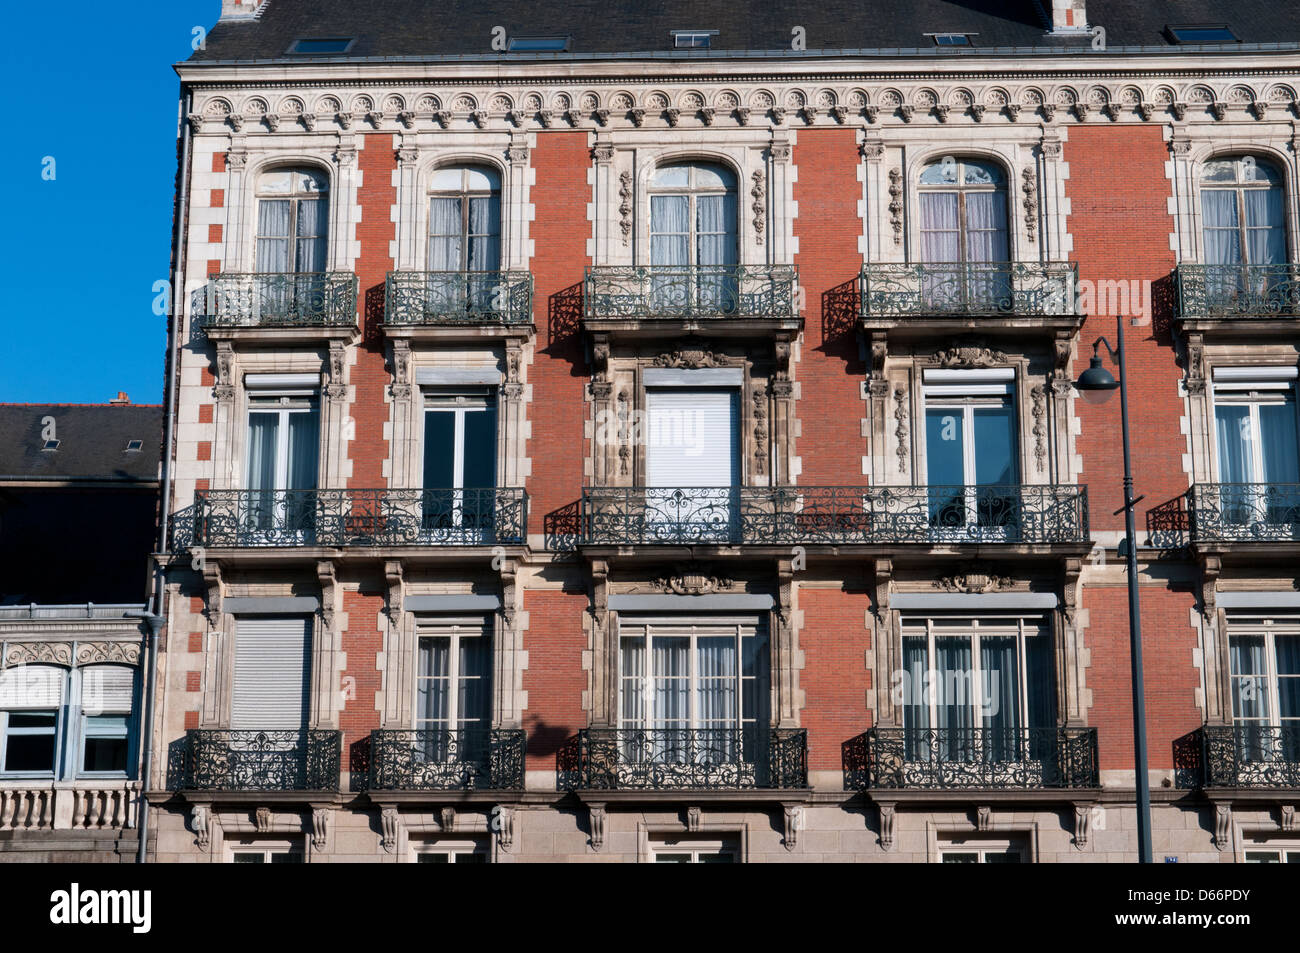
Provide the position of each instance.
(977, 111)
(673, 115)
(1258, 108)
(906, 110)
(479, 117)
(941, 111)
(224, 390)
(336, 389)
(325, 577)
(200, 821)
(262, 819)
(742, 115)
(637, 116)
(345, 119)
(308, 121)
(401, 386)
(1219, 110)
(196, 123)
(840, 114)
(388, 819)
(508, 578)
(1012, 110)
(503, 821)
(320, 827)
(602, 117)
(603, 152)
(1082, 825)
(1048, 110)
(212, 582)
(886, 826)
(1195, 379)
(1286, 818)
(983, 818)
(1210, 568)
(1179, 110)
(871, 111)
(694, 819)
(706, 115)
(447, 819)
(793, 823)
(393, 579)
(442, 117)
(1062, 382)
(236, 121)
(1222, 825)
(778, 114)
(272, 121)
(596, 819)
(545, 117)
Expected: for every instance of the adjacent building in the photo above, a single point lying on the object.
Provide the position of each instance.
(78, 509)
(650, 435)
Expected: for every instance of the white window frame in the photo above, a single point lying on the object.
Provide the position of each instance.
(1282, 852)
(961, 190)
(465, 193)
(1269, 627)
(982, 848)
(976, 681)
(691, 192)
(266, 847)
(459, 402)
(423, 626)
(694, 847)
(77, 769)
(287, 403)
(293, 197)
(1252, 388)
(454, 848)
(1239, 189)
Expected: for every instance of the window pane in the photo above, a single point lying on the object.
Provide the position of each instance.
(1249, 681)
(439, 449)
(262, 430)
(1233, 430)
(1277, 426)
(304, 444)
(33, 752)
(475, 681)
(247, 858)
(105, 754)
(432, 703)
(995, 447)
(481, 448)
(1000, 693)
(672, 176)
(945, 447)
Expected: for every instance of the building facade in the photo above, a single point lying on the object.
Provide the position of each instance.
(655, 438)
(78, 509)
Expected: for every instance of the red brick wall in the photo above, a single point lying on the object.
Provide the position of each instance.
(559, 232)
(1168, 641)
(835, 678)
(554, 679)
(362, 642)
(830, 408)
(1120, 222)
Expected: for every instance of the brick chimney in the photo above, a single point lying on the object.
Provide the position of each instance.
(121, 398)
(241, 9)
(1069, 16)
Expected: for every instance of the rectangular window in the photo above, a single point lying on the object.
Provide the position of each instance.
(453, 690)
(1274, 855)
(1213, 33)
(321, 46)
(687, 849)
(107, 694)
(283, 448)
(979, 689)
(1257, 448)
(971, 447)
(442, 850)
(692, 445)
(259, 850)
(983, 851)
(1264, 661)
(460, 465)
(31, 704)
(271, 678)
(539, 44)
(951, 39)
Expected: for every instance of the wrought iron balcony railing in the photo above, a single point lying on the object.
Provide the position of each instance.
(653, 759)
(470, 517)
(834, 515)
(1244, 512)
(893, 289)
(965, 758)
(431, 760)
(1250, 756)
(431, 298)
(225, 760)
(1238, 291)
(317, 299)
(617, 292)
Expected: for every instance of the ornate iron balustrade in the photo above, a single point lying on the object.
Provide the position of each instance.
(834, 515)
(1238, 291)
(1250, 756)
(703, 291)
(431, 760)
(225, 760)
(654, 759)
(317, 299)
(417, 298)
(963, 758)
(1244, 512)
(978, 289)
(440, 517)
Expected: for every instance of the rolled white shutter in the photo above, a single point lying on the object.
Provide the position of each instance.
(32, 686)
(271, 671)
(107, 689)
(691, 438)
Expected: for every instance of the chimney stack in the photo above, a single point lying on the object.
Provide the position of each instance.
(121, 398)
(1069, 16)
(241, 9)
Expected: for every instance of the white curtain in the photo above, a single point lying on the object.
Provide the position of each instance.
(632, 700)
(1222, 236)
(1233, 435)
(304, 444)
(986, 227)
(261, 451)
(473, 702)
(1277, 425)
(1265, 238)
(670, 230)
(445, 234)
(715, 226)
(485, 239)
(273, 229)
(313, 229)
(954, 708)
(940, 227)
(432, 698)
(1249, 678)
(1000, 696)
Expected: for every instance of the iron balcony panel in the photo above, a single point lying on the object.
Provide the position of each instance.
(623, 292)
(1245, 512)
(1029, 514)
(435, 760)
(1238, 291)
(349, 518)
(1250, 756)
(993, 289)
(280, 760)
(307, 300)
(973, 758)
(686, 759)
(430, 298)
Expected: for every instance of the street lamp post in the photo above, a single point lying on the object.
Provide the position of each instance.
(1096, 384)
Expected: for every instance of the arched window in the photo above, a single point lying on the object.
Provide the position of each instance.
(964, 225)
(465, 219)
(1241, 209)
(292, 221)
(693, 236)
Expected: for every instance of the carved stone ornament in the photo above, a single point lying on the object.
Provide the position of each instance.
(901, 417)
(691, 358)
(388, 821)
(691, 581)
(1082, 824)
(53, 653)
(896, 204)
(970, 355)
(1039, 396)
(975, 582)
(759, 207)
(123, 653)
(694, 819)
(625, 205)
(886, 826)
(320, 827)
(262, 819)
(1029, 185)
(596, 819)
(1222, 825)
(983, 818)
(793, 823)
(199, 821)
(504, 818)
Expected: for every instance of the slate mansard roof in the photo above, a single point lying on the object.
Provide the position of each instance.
(439, 29)
(93, 442)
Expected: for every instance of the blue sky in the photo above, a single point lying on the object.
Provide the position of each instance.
(90, 84)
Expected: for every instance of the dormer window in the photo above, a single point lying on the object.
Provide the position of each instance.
(538, 44)
(321, 46)
(693, 39)
(948, 40)
(1201, 33)
(134, 446)
(51, 445)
